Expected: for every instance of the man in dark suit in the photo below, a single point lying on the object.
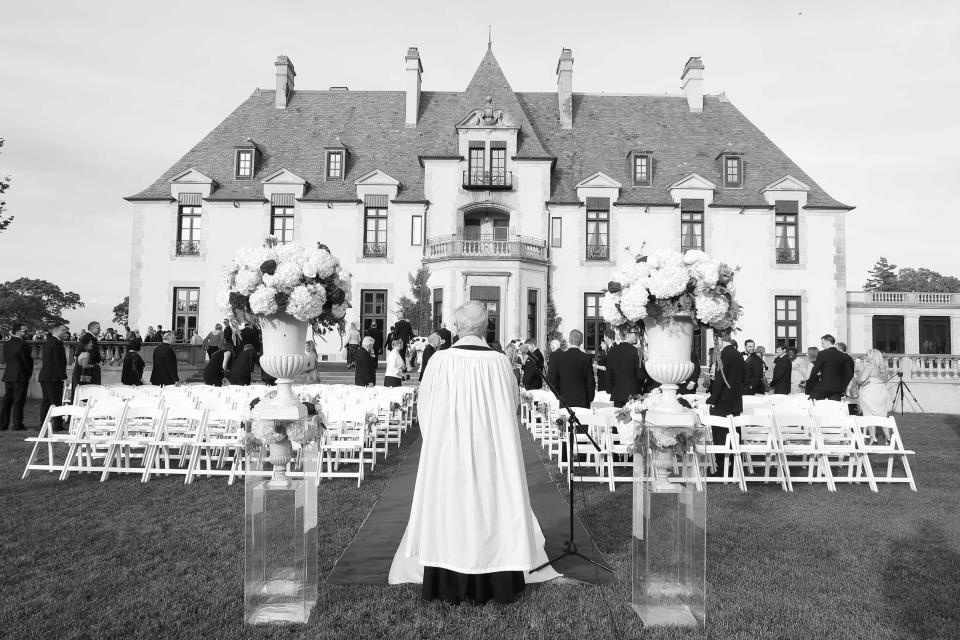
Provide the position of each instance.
(446, 338)
(752, 371)
(571, 373)
(433, 341)
(87, 337)
(403, 331)
(373, 331)
(532, 366)
(365, 374)
(53, 371)
(726, 398)
(624, 375)
(832, 370)
(164, 363)
(782, 368)
(16, 379)
(240, 371)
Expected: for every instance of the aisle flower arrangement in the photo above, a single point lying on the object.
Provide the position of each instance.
(668, 439)
(306, 283)
(666, 283)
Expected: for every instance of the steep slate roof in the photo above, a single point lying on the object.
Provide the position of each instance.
(605, 129)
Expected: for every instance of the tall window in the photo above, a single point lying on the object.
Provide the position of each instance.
(641, 170)
(334, 165)
(375, 226)
(888, 334)
(477, 162)
(787, 327)
(593, 324)
(416, 230)
(244, 163)
(934, 334)
(556, 232)
(532, 295)
(188, 231)
(498, 163)
(732, 171)
(437, 309)
(691, 224)
(598, 228)
(281, 223)
(186, 307)
(787, 234)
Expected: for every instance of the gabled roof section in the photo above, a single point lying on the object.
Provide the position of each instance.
(692, 181)
(786, 183)
(191, 176)
(599, 179)
(283, 176)
(377, 177)
(489, 82)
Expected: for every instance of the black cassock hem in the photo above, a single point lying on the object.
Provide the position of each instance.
(454, 588)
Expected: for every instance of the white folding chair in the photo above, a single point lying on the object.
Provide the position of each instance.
(798, 437)
(84, 394)
(137, 433)
(758, 437)
(47, 436)
(180, 432)
(343, 448)
(222, 437)
(94, 435)
(892, 450)
(729, 449)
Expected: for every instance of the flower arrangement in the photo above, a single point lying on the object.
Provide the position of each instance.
(308, 284)
(648, 438)
(371, 420)
(667, 283)
(274, 431)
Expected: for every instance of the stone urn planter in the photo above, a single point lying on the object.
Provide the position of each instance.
(283, 358)
(668, 357)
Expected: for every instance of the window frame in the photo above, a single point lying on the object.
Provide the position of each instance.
(786, 217)
(237, 163)
(328, 170)
(381, 215)
(646, 157)
(437, 306)
(600, 217)
(889, 321)
(284, 218)
(786, 322)
(416, 223)
(475, 172)
(195, 229)
(934, 321)
(195, 314)
(533, 311)
(556, 232)
(593, 325)
(733, 184)
(692, 213)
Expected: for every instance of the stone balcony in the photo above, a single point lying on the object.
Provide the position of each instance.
(902, 299)
(460, 247)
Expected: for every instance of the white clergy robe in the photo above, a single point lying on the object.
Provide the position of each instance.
(471, 508)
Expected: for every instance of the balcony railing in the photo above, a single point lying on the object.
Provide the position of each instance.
(492, 180)
(375, 249)
(511, 247)
(598, 252)
(903, 298)
(188, 247)
(788, 256)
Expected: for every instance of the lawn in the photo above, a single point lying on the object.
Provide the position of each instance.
(123, 559)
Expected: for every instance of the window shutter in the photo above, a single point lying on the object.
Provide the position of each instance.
(691, 205)
(375, 202)
(282, 200)
(598, 204)
(190, 200)
(497, 144)
(787, 206)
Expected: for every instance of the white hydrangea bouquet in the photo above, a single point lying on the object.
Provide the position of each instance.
(667, 283)
(308, 284)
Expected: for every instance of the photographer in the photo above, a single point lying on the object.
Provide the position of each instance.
(395, 366)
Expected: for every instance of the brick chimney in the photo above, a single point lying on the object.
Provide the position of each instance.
(691, 81)
(285, 76)
(565, 88)
(414, 71)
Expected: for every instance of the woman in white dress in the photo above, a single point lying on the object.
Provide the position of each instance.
(310, 375)
(872, 380)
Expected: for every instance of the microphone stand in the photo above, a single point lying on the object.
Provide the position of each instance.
(569, 545)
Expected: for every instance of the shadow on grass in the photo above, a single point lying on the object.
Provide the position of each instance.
(921, 584)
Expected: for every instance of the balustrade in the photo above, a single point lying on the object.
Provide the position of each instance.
(512, 247)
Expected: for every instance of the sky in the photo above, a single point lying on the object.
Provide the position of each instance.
(97, 99)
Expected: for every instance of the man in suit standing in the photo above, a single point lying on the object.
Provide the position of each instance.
(832, 370)
(53, 371)
(532, 366)
(373, 331)
(365, 374)
(624, 374)
(433, 342)
(782, 368)
(726, 397)
(164, 363)
(403, 331)
(131, 373)
(752, 371)
(571, 373)
(16, 379)
(87, 337)
(446, 338)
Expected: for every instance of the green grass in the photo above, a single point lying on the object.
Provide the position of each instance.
(81, 559)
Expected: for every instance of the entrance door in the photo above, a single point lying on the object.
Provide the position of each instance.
(373, 308)
(490, 297)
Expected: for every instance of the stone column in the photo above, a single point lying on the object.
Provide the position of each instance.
(911, 333)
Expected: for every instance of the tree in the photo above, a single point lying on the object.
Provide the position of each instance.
(926, 280)
(417, 309)
(35, 303)
(121, 312)
(880, 276)
(4, 185)
(553, 320)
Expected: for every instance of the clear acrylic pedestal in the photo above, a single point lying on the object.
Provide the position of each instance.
(669, 529)
(280, 524)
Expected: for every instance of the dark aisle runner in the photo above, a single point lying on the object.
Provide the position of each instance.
(368, 558)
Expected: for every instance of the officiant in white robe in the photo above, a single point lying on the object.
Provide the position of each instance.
(471, 527)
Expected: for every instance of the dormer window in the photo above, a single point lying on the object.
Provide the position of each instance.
(244, 163)
(732, 171)
(641, 169)
(334, 165)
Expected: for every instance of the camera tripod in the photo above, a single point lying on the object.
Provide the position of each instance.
(902, 389)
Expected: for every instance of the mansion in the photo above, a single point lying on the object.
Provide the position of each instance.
(508, 197)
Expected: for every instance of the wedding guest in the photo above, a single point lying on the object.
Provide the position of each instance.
(471, 464)
(133, 365)
(374, 332)
(872, 382)
(39, 336)
(393, 376)
(832, 370)
(514, 359)
(624, 376)
(53, 371)
(214, 340)
(164, 363)
(16, 379)
(403, 331)
(852, 385)
(809, 382)
(752, 370)
(798, 371)
(433, 344)
(218, 367)
(726, 398)
(89, 339)
(150, 335)
(241, 371)
(160, 334)
(388, 341)
(532, 366)
(600, 364)
(353, 343)
(782, 369)
(195, 339)
(690, 384)
(365, 374)
(571, 373)
(310, 374)
(229, 336)
(110, 335)
(446, 338)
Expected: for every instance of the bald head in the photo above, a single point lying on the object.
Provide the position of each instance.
(471, 319)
